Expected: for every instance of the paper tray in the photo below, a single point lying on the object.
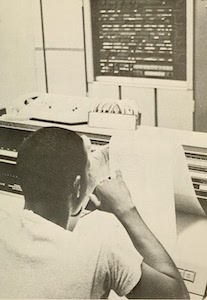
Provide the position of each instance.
(114, 121)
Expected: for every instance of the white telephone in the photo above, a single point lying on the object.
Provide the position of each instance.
(50, 107)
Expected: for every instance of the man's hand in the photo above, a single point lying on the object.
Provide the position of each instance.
(113, 196)
(99, 166)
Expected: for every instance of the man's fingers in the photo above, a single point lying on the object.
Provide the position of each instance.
(105, 150)
(105, 155)
(102, 153)
(118, 174)
(95, 200)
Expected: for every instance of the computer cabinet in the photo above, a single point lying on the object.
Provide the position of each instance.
(200, 65)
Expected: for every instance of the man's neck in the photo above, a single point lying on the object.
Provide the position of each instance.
(58, 217)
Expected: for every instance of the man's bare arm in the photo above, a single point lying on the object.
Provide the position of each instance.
(160, 277)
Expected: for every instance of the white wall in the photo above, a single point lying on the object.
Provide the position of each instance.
(64, 46)
(23, 69)
(17, 72)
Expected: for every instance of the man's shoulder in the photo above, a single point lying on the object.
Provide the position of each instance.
(97, 221)
(105, 231)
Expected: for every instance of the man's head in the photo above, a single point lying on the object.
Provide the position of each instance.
(52, 167)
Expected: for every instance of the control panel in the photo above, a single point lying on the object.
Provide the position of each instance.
(10, 141)
(140, 38)
(194, 277)
(197, 164)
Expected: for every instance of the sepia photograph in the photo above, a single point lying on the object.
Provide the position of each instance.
(103, 149)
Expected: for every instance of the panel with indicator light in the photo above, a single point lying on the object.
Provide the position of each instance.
(140, 38)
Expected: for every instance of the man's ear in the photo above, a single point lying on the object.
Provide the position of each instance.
(77, 186)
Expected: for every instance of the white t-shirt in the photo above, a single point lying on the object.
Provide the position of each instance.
(39, 259)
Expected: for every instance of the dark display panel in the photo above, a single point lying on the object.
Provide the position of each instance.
(139, 38)
(10, 141)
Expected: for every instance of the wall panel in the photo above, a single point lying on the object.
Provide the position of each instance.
(175, 109)
(63, 23)
(17, 59)
(101, 90)
(144, 98)
(66, 73)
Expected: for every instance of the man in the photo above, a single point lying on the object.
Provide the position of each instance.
(40, 258)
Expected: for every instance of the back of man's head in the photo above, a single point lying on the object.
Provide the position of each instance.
(48, 162)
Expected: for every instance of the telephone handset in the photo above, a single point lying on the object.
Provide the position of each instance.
(19, 102)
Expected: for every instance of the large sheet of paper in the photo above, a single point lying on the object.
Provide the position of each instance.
(155, 172)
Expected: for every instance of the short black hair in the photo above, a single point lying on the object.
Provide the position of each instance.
(48, 162)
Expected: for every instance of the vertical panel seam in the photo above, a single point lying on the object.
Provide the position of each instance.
(44, 48)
